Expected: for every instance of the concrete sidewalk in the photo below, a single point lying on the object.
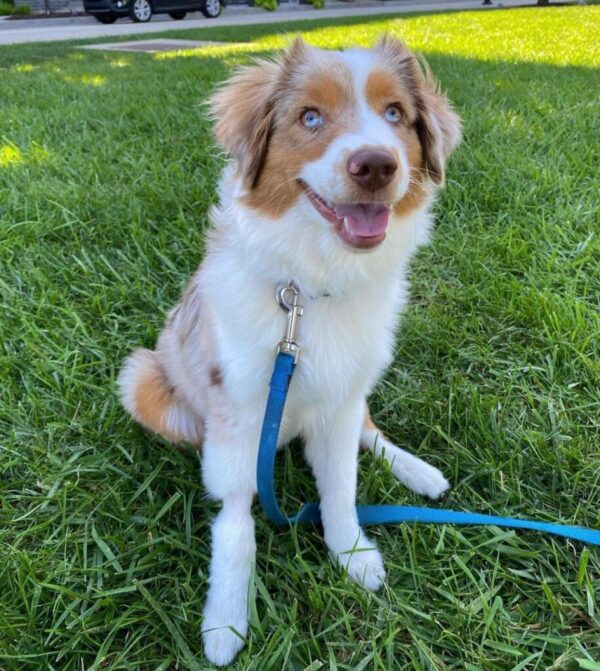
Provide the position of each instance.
(76, 28)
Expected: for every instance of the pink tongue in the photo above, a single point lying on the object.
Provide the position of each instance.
(364, 220)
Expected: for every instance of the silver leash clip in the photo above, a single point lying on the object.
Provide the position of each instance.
(287, 297)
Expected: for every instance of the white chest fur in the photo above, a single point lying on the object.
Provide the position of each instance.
(346, 337)
(346, 340)
(346, 343)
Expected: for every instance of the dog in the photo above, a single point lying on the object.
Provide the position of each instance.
(336, 159)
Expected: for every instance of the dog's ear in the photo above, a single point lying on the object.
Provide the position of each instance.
(243, 110)
(437, 124)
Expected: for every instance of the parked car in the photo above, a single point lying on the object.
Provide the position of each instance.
(140, 11)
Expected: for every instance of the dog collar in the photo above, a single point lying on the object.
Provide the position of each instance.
(306, 294)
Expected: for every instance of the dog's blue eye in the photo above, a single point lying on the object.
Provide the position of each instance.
(311, 119)
(393, 114)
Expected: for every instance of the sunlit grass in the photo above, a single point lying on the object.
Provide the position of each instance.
(104, 191)
(517, 35)
(25, 67)
(10, 155)
(92, 80)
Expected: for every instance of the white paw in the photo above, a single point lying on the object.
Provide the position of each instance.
(224, 629)
(364, 564)
(419, 476)
(221, 645)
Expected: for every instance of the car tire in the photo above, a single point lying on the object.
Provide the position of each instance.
(211, 8)
(177, 16)
(140, 11)
(106, 18)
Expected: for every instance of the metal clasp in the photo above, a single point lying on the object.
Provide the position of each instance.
(287, 297)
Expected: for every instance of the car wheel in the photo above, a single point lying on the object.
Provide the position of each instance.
(106, 18)
(211, 8)
(177, 16)
(141, 11)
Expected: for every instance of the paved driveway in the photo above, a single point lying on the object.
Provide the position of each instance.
(42, 30)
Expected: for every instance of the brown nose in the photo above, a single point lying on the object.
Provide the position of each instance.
(372, 168)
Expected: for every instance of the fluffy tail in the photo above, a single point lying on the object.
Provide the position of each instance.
(149, 397)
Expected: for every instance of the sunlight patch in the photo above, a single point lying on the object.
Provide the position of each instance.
(10, 155)
(89, 80)
(25, 67)
(153, 46)
(119, 63)
(236, 51)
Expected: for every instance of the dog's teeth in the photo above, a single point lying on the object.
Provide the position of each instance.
(320, 200)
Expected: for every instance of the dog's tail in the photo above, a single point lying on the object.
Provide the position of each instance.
(150, 398)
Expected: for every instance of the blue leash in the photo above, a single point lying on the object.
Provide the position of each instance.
(285, 364)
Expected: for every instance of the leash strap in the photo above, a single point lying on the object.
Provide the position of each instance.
(384, 514)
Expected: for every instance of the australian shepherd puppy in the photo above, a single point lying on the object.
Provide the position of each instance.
(336, 157)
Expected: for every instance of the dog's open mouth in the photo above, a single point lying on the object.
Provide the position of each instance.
(361, 225)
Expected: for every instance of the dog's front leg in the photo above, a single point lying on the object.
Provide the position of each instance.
(332, 451)
(229, 473)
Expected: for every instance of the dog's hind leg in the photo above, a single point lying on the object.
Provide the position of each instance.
(150, 398)
(411, 471)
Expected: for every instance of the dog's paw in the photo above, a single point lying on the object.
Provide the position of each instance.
(421, 478)
(224, 629)
(364, 564)
(221, 645)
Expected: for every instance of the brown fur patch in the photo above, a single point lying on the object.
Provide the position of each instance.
(393, 84)
(243, 112)
(418, 189)
(291, 145)
(216, 379)
(437, 124)
(439, 129)
(412, 200)
(153, 396)
(379, 89)
(385, 87)
(329, 91)
(368, 422)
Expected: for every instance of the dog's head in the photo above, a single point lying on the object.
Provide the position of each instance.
(348, 138)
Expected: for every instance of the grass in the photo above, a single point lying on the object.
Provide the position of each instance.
(8, 9)
(106, 173)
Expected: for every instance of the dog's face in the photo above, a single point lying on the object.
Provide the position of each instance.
(347, 139)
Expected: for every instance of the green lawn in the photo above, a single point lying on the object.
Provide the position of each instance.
(106, 172)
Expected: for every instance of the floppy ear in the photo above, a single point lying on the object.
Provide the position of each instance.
(437, 124)
(243, 109)
(438, 127)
